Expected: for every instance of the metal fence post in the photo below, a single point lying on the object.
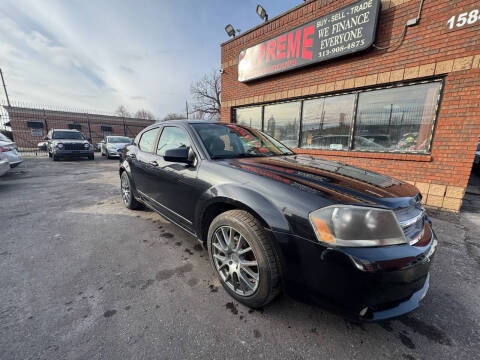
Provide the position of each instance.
(45, 120)
(89, 129)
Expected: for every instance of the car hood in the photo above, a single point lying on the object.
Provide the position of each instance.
(118, 145)
(70, 141)
(338, 181)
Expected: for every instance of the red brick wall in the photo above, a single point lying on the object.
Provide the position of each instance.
(428, 50)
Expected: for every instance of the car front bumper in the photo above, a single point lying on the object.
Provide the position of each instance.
(367, 284)
(114, 153)
(73, 153)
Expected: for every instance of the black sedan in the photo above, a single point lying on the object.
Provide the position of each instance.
(321, 231)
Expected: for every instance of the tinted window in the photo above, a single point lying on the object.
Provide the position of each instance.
(147, 140)
(327, 122)
(172, 138)
(282, 122)
(74, 135)
(397, 119)
(251, 117)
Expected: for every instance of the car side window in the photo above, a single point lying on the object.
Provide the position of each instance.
(172, 138)
(147, 140)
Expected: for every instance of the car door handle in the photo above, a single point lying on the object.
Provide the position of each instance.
(154, 163)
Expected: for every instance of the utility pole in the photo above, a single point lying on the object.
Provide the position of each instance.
(5, 88)
(186, 107)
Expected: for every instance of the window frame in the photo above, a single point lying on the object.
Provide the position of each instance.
(155, 140)
(162, 128)
(357, 93)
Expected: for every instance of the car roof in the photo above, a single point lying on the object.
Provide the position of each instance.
(71, 130)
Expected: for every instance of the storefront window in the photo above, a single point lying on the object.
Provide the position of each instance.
(396, 119)
(251, 116)
(282, 122)
(327, 121)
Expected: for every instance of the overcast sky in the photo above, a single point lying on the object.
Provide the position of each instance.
(99, 54)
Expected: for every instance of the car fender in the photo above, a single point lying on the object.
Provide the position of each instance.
(242, 197)
(125, 166)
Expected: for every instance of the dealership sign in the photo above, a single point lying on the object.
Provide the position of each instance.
(342, 32)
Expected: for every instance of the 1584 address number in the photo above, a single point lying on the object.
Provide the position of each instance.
(468, 18)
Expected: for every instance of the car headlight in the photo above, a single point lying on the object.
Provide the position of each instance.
(60, 146)
(86, 145)
(356, 226)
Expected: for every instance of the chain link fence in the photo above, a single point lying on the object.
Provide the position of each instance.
(28, 125)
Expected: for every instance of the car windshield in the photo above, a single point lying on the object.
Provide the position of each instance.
(67, 135)
(119, 140)
(224, 141)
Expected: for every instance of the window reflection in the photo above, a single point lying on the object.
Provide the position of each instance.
(327, 121)
(397, 119)
(251, 116)
(282, 122)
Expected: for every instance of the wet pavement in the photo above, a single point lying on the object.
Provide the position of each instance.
(81, 277)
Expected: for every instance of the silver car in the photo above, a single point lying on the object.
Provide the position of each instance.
(9, 148)
(4, 164)
(112, 146)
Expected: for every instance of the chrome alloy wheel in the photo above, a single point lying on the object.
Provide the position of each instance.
(125, 187)
(235, 260)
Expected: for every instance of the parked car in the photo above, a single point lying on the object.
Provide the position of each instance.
(42, 145)
(112, 146)
(63, 143)
(9, 148)
(340, 142)
(348, 238)
(4, 164)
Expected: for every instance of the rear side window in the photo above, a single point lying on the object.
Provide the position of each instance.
(172, 138)
(147, 140)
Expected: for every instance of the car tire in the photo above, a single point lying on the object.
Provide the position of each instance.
(127, 192)
(108, 156)
(91, 157)
(266, 282)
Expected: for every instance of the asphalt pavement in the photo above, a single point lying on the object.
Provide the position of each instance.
(81, 277)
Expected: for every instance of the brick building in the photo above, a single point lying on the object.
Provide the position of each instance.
(29, 125)
(407, 106)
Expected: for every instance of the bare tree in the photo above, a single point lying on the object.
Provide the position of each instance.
(122, 111)
(174, 116)
(144, 114)
(206, 95)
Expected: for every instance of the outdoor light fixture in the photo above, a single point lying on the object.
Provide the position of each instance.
(262, 13)
(230, 30)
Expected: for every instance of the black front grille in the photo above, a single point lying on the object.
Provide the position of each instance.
(74, 146)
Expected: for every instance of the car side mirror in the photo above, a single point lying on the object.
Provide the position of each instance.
(45, 138)
(180, 155)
